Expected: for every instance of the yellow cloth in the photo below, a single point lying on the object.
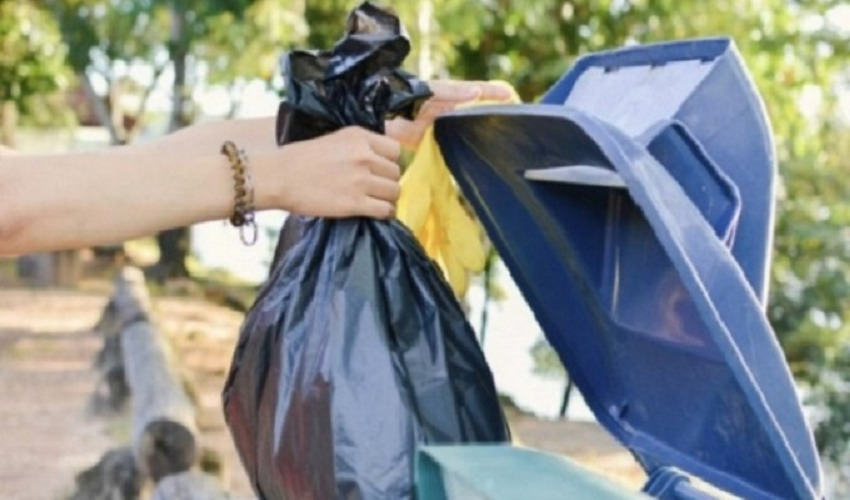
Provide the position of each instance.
(431, 205)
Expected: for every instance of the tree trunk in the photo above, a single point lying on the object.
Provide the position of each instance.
(179, 51)
(66, 268)
(425, 14)
(164, 429)
(102, 108)
(8, 123)
(36, 269)
(174, 244)
(565, 402)
(130, 302)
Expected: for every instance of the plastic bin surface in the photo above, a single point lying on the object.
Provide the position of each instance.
(648, 279)
(501, 472)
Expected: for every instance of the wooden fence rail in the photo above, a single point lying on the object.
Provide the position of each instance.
(137, 363)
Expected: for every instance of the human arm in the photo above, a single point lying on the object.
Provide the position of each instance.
(75, 200)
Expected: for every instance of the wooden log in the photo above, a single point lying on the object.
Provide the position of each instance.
(109, 327)
(114, 477)
(131, 296)
(190, 485)
(66, 268)
(130, 302)
(164, 428)
(112, 391)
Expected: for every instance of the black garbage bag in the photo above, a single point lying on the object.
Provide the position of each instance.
(356, 350)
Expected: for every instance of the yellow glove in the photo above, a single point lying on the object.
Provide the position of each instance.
(430, 205)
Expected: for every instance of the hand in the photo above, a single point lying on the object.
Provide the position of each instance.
(352, 172)
(448, 94)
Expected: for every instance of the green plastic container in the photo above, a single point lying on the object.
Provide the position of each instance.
(504, 472)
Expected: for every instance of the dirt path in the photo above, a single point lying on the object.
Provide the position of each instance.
(46, 352)
(46, 378)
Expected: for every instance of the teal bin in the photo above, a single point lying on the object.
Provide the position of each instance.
(494, 472)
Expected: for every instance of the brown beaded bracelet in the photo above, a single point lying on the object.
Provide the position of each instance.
(243, 192)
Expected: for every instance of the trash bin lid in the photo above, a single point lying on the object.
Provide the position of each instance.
(650, 290)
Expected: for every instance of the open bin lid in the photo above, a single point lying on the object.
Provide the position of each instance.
(634, 210)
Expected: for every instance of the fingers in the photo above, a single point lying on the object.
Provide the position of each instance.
(364, 178)
(434, 108)
(385, 168)
(379, 189)
(387, 153)
(495, 91)
(385, 146)
(383, 189)
(449, 90)
(447, 96)
(460, 91)
(379, 209)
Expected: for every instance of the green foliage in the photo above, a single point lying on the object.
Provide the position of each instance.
(325, 21)
(100, 32)
(31, 59)
(108, 31)
(546, 360)
(192, 21)
(106, 40)
(248, 46)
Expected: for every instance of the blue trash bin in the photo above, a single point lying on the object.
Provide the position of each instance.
(634, 209)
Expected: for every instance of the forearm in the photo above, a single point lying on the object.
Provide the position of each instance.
(54, 202)
(93, 199)
(70, 201)
(256, 134)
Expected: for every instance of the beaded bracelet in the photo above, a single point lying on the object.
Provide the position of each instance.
(243, 192)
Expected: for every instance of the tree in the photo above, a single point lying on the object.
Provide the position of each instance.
(548, 364)
(239, 51)
(109, 44)
(31, 63)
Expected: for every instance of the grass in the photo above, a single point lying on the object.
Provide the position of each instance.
(26, 347)
(120, 427)
(8, 271)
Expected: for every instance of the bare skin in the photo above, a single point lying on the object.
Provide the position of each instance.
(76, 200)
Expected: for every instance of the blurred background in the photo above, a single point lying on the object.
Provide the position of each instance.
(85, 74)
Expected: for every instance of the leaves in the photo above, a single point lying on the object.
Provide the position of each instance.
(31, 59)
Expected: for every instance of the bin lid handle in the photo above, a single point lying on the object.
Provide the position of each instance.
(586, 175)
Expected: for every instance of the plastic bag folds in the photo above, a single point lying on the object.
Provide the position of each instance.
(356, 350)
